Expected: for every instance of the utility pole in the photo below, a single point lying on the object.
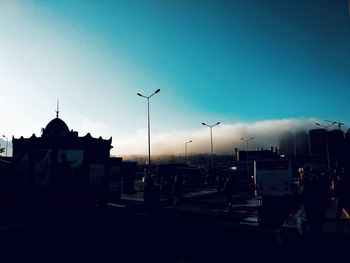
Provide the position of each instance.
(148, 125)
(211, 141)
(186, 149)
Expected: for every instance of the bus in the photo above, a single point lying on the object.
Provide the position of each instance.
(273, 178)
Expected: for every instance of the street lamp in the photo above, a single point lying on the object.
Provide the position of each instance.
(148, 118)
(247, 142)
(7, 143)
(211, 140)
(186, 149)
(326, 128)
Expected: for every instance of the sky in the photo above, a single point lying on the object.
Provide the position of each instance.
(258, 66)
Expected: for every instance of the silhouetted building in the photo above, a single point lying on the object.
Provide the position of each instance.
(301, 143)
(286, 142)
(347, 145)
(336, 144)
(318, 142)
(61, 165)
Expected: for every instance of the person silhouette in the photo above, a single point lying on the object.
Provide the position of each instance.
(177, 189)
(229, 190)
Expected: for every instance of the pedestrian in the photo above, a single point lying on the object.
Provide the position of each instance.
(229, 190)
(219, 183)
(177, 189)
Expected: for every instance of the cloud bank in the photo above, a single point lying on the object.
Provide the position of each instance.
(226, 137)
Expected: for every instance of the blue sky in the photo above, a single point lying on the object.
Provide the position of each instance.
(243, 63)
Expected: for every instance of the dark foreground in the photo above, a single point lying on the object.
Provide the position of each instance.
(121, 235)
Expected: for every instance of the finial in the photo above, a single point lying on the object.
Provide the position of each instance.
(57, 111)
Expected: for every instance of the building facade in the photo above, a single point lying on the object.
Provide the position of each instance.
(60, 166)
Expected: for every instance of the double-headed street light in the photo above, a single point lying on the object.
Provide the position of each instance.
(148, 118)
(7, 144)
(186, 149)
(247, 142)
(211, 140)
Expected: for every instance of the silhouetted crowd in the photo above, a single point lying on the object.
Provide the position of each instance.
(174, 186)
(320, 187)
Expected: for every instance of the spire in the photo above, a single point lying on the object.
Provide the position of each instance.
(57, 111)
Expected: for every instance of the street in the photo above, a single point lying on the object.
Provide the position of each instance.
(116, 234)
(198, 229)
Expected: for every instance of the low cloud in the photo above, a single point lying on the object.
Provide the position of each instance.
(226, 137)
(95, 128)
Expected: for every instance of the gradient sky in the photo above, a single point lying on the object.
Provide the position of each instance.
(241, 62)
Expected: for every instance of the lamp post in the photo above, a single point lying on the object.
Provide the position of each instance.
(186, 149)
(211, 140)
(148, 119)
(247, 142)
(327, 146)
(7, 144)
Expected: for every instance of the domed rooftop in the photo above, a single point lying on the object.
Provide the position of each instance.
(56, 127)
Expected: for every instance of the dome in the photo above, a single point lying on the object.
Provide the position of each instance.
(56, 127)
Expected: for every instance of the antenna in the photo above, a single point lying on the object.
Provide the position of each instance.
(334, 122)
(57, 111)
